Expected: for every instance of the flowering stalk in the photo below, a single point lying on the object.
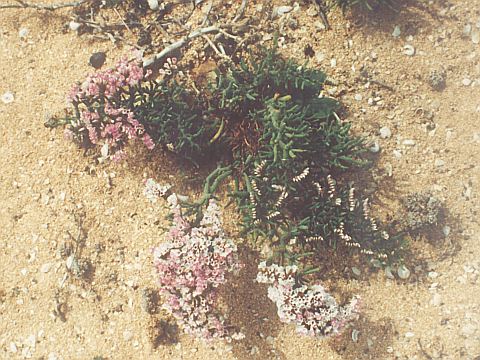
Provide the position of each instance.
(314, 311)
(191, 265)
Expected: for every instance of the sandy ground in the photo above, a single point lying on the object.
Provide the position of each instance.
(44, 180)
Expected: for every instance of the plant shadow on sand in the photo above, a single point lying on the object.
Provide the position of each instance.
(251, 310)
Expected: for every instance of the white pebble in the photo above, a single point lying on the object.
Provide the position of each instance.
(446, 230)
(320, 56)
(409, 142)
(439, 163)
(7, 98)
(358, 97)
(375, 147)
(436, 300)
(127, 335)
(466, 82)
(396, 31)
(476, 37)
(23, 33)
(385, 132)
(333, 62)
(409, 334)
(13, 347)
(153, 4)
(403, 272)
(45, 267)
(74, 26)
(409, 50)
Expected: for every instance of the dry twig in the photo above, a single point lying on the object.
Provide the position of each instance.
(25, 5)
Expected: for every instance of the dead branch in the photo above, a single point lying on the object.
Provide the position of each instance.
(24, 5)
(178, 44)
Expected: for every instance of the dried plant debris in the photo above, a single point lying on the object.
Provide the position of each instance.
(437, 79)
(424, 210)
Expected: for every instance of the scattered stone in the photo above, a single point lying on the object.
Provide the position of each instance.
(7, 97)
(396, 31)
(436, 300)
(432, 275)
(319, 25)
(385, 132)
(403, 272)
(388, 273)
(333, 62)
(13, 347)
(23, 33)
(74, 26)
(358, 97)
(356, 271)
(127, 335)
(439, 163)
(409, 50)
(312, 11)
(375, 147)
(409, 334)
(467, 29)
(320, 56)
(98, 59)
(281, 10)
(355, 334)
(446, 230)
(409, 142)
(476, 37)
(153, 4)
(466, 82)
(45, 268)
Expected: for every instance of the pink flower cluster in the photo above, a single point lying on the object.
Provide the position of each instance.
(191, 265)
(314, 311)
(101, 120)
(108, 83)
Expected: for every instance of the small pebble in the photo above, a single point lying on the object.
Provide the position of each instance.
(7, 97)
(312, 11)
(333, 62)
(13, 347)
(153, 4)
(403, 272)
(409, 50)
(476, 37)
(466, 82)
(409, 334)
(281, 10)
(375, 147)
(385, 132)
(98, 59)
(23, 33)
(439, 163)
(436, 300)
(356, 271)
(358, 97)
(446, 230)
(74, 26)
(320, 56)
(127, 335)
(396, 31)
(45, 267)
(409, 142)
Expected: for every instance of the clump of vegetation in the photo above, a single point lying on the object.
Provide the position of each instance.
(423, 211)
(265, 125)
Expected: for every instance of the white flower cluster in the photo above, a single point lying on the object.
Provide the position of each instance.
(153, 190)
(314, 311)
